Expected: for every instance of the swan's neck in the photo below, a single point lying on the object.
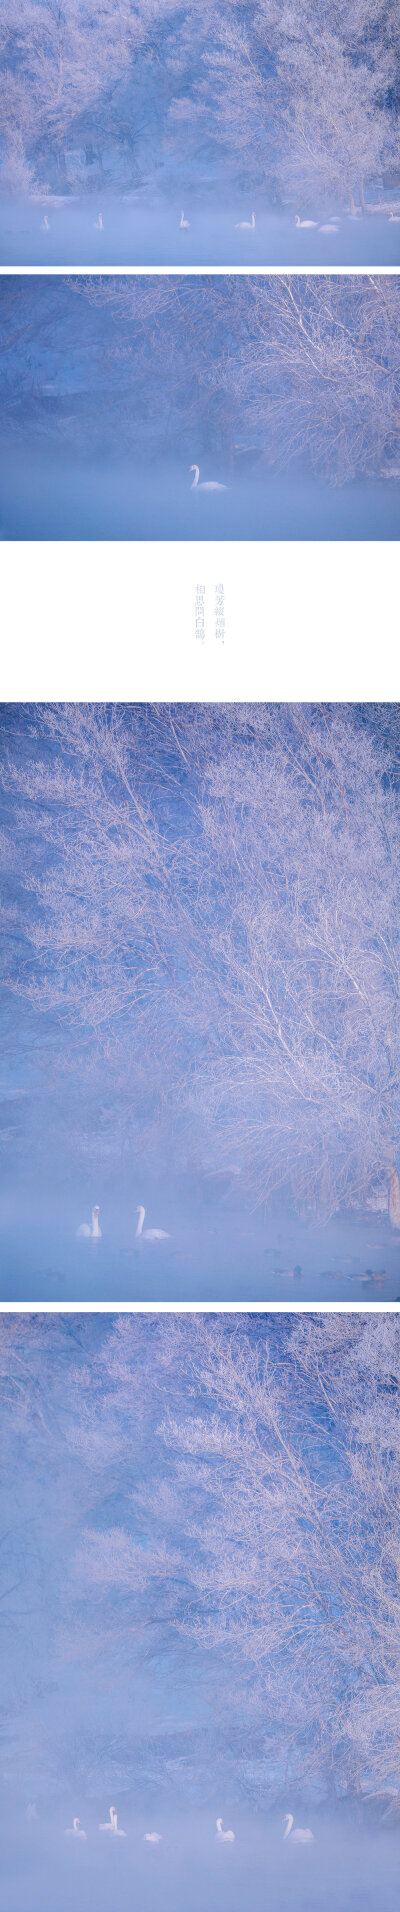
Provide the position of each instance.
(196, 469)
(289, 1823)
(219, 1825)
(142, 1212)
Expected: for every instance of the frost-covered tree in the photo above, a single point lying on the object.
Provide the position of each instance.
(209, 916)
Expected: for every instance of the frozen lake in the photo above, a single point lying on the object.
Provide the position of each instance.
(46, 494)
(140, 231)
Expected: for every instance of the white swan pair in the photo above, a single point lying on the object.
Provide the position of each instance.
(111, 1825)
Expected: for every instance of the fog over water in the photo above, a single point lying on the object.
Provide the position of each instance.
(143, 231)
(43, 496)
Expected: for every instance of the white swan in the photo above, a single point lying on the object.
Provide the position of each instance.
(184, 223)
(149, 1234)
(153, 1838)
(224, 1835)
(75, 1831)
(208, 484)
(395, 218)
(245, 225)
(111, 1825)
(331, 228)
(301, 1835)
(98, 223)
(91, 1228)
(45, 224)
(304, 222)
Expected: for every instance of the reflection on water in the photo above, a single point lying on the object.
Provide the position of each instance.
(47, 496)
(218, 1253)
(134, 232)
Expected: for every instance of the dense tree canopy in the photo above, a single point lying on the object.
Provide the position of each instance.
(202, 911)
(296, 102)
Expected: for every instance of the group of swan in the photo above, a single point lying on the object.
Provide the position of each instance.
(299, 1835)
(109, 1825)
(93, 1230)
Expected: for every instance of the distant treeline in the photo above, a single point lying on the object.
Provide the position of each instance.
(300, 103)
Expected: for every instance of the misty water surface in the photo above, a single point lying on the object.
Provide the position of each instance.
(138, 231)
(217, 1251)
(348, 1868)
(45, 495)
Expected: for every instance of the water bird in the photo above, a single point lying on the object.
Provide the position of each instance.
(304, 222)
(45, 224)
(91, 1228)
(149, 1234)
(395, 217)
(329, 228)
(301, 1835)
(153, 1838)
(207, 484)
(246, 225)
(98, 223)
(75, 1831)
(228, 1836)
(184, 223)
(111, 1825)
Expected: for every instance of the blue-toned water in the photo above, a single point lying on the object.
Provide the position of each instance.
(47, 494)
(216, 1250)
(344, 1869)
(144, 231)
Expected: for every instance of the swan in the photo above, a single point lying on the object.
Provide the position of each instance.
(304, 222)
(45, 224)
(149, 1234)
(111, 1825)
(75, 1831)
(301, 1835)
(208, 484)
(332, 228)
(246, 225)
(184, 223)
(98, 223)
(91, 1228)
(224, 1835)
(395, 217)
(153, 1838)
